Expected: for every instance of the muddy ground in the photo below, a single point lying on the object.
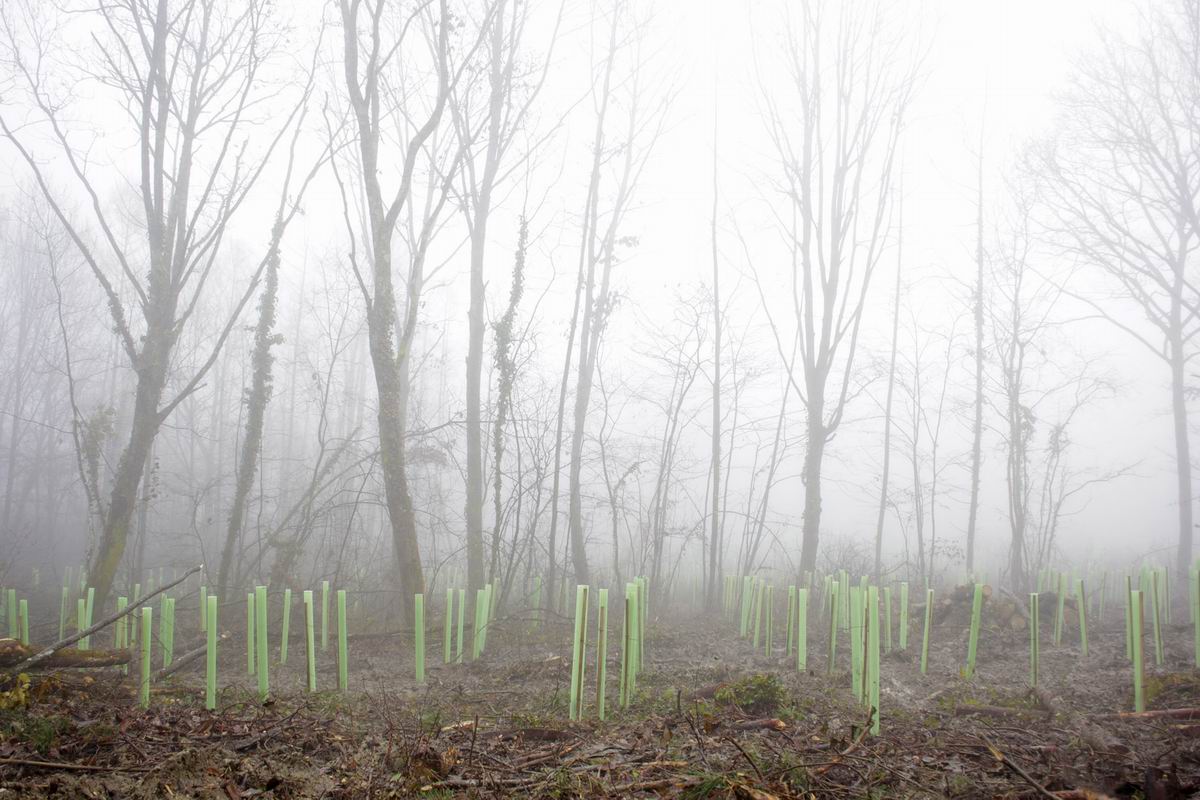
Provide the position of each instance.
(711, 719)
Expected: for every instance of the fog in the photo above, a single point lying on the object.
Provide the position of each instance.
(409, 295)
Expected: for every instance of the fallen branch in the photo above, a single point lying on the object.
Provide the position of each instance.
(1164, 713)
(185, 660)
(37, 658)
(760, 724)
(13, 652)
(1017, 768)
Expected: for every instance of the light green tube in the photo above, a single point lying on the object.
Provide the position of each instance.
(419, 635)
(904, 615)
(133, 620)
(210, 671)
(121, 641)
(285, 625)
(147, 626)
(601, 652)
(167, 629)
(462, 616)
(250, 638)
(857, 607)
(791, 620)
(578, 652)
(1081, 601)
(1060, 616)
(928, 627)
(873, 656)
(448, 627)
(62, 614)
(343, 652)
(480, 621)
(324, 616)
(80, 620)
(87, 615)
(261, 642)
(1139, 661)
(24, 614)
(310, 641)
(834, 604)
(1156, 609)
(1034, 638)
(973, 640)
(802, 630)
(887, 619)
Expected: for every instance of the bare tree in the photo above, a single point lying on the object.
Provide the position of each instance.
(258, 395)
(1123, 193)
(381, 72)
(887, 405)
(977, 421)
(836, 137)
(185, 78)
(625, 154)
(1039, 386)
(489, 115)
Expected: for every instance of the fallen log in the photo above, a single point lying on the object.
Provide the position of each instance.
(32, 661)
(13, 652)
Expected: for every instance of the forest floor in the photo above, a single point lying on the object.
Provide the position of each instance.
(711, 719)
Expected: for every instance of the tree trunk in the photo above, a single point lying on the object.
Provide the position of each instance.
(152, 375)
(256, 408)
(887, 409)
(977, 427)
(1183, 463)
(813, 459)
(713, 595)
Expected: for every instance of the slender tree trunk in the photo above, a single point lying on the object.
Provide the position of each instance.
(887, 408)
(256, 408)
(813, 458)
(977, 427)
(712, 596)
(1183, 463)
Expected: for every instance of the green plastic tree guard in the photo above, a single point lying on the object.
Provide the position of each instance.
(250, 640)
(448, 627)
(310, 641)
(1035, 620)
(928, 628)
(462, 615)
(343, 651)
(873, 656)
(601, 652)
(1081, 601)
(284, 626)
(973, 640)
(419, 636)
(802, 630)
(24, 615)
(210, 671)
(144, 685)
(324, 616)
(1139, 661)
(578, 652)
(260, 641)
